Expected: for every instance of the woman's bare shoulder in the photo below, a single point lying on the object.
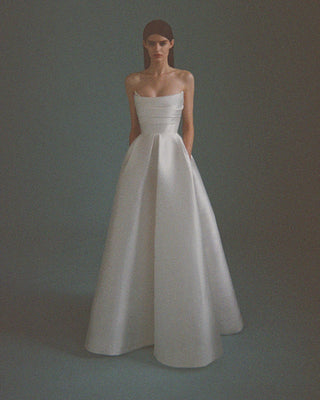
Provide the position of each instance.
(186, 78)
(133, 79)
(185, 75)
(182, 72)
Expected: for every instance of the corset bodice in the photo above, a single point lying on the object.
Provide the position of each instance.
(160, 114)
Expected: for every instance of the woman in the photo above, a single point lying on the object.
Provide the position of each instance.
(164, 279)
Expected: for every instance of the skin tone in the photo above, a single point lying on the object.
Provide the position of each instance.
(160, 79)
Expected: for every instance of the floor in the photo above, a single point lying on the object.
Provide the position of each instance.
(46, 308)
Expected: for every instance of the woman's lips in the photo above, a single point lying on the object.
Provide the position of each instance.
(157, 55)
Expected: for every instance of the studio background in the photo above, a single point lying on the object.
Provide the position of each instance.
(64, 132)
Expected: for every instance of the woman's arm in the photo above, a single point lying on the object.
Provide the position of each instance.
(130, 83)
(187, 113)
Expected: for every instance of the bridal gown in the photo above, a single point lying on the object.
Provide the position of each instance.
(163, 279)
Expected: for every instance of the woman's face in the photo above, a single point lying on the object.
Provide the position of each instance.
(158, 47)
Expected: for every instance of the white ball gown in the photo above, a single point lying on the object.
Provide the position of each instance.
(164, 279)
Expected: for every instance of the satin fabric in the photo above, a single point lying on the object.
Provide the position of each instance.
(164, 279)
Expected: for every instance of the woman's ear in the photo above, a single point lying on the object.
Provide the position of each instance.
(144, 44)
(172, 43)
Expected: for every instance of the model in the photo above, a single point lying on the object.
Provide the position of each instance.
(164, 280)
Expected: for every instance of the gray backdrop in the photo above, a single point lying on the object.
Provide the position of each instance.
(64, 133)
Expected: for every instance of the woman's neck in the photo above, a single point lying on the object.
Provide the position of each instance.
(158, 69)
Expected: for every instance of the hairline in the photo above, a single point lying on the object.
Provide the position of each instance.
(163, 40)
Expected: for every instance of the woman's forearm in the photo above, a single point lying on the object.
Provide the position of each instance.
(133, 135)
(188, 136)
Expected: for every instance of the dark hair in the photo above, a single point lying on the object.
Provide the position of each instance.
(161, 28)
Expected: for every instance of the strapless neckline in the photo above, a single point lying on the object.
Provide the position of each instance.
(157, 97)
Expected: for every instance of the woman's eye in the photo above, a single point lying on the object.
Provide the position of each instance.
(153, 43)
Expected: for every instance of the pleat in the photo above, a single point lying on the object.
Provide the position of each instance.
(186, 332)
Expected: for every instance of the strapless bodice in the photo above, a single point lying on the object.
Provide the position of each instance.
(160, 114)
